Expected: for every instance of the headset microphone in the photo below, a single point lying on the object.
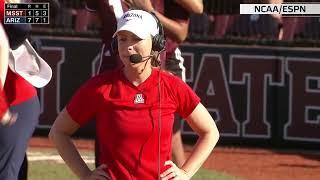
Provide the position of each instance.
(135, 58)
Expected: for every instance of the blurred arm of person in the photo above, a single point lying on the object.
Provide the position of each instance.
(275, 1)
(277, 16)
(176, 30)
(4, 55)
(6, 117)
(192, 6)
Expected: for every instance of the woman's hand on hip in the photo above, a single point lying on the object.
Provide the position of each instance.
(174, 172)
(98, 174)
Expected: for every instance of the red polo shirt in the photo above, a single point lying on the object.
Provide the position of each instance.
(127, 119)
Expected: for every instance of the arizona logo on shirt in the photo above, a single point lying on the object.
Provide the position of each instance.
(138, 99)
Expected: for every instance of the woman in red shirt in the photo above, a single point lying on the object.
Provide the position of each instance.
(134, 110)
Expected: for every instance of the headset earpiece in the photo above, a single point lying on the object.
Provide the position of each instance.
(158, 41)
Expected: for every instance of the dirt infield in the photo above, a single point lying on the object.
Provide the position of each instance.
(251, 164)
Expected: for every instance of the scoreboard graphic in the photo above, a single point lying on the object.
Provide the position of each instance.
(26, 13)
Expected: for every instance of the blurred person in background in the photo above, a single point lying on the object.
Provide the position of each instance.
(6, 117)
(174, 15)
(21, 98)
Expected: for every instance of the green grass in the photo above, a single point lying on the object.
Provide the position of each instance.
(52, 170)
(204, 174)
(49, 170)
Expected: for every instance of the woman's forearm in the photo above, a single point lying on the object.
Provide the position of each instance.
(178, 31)
(192, 6)
(200, 153)
(69, 154)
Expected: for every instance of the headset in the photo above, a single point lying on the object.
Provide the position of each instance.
(158, 41)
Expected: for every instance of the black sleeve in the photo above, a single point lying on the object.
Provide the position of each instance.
(17, 33)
